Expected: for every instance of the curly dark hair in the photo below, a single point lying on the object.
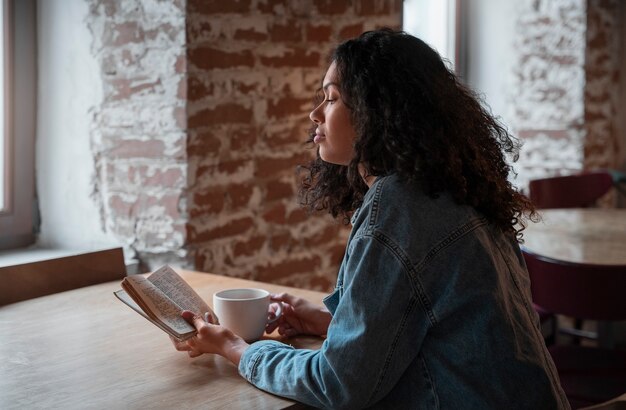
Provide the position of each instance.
(415, 119)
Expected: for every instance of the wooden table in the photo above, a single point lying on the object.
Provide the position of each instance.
(84, 349)
(594, 236)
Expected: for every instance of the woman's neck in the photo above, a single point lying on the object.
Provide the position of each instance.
(368, 179)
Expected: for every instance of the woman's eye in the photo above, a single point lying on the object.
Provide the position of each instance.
(331, 100)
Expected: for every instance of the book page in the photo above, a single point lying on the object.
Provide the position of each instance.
(159, 304)
(175, 287)
(125, 297)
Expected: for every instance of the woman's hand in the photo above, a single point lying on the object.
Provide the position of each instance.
(300, 317)
(211, 339)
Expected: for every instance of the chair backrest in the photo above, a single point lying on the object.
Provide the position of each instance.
(31, 280)
(570, 191)
(584, 291)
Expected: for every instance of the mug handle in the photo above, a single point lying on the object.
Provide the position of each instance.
(277, 314)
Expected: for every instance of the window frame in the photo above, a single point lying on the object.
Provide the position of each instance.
(17, 220)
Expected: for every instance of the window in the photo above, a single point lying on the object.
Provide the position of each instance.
(4, 141)
(17, 122)
(436, 23)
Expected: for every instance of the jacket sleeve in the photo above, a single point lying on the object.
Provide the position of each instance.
(378, 315)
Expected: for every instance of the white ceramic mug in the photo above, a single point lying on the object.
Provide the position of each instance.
(244, 311)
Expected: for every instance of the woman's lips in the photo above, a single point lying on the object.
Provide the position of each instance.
(318, 138)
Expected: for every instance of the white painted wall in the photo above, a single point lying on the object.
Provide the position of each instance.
(490, 57)
(69, 84)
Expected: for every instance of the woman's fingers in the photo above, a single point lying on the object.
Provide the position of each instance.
(284, 297)
(198, 322)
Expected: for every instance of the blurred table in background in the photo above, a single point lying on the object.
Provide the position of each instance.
(590, 235)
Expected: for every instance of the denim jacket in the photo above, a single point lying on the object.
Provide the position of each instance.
(432, 310)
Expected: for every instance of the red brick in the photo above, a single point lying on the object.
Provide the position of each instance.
(231, 228)
(128, 58)
(210, 7)
(116, 35)
(222, 114)
(269, 6)
(276, 214)
(120, 207)
(278, 190)
(287, 268)
(272, 166)
(321, 283)
(281, 240)
(170, 31)
(296, 57)
(287, 106)
(207, 202)
(138, 149)
(319, 33)
(289, 32)
(203, 144)
(397, 6)
(180, 117)
(297, 216)
(197, 89)
(240, 194)
(351, 31)
(244, 88)
(181, 92)
(250, 35)
(170, 202)
(372, 8)
(198, 30)
(180, 66)
(231, 167)
(164, 178)
(208, 58)
(124, 88)
(331, 6)
(336, 254)
(243, 138)
(328, 235)
(281, 140)
(249, 246)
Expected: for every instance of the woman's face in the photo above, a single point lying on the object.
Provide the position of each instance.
(334, 133)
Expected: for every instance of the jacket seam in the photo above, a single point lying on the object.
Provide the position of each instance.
(256, 359)
(454, 236)
(429, 378)
(375, 202)
(394, 344)
(395, 249)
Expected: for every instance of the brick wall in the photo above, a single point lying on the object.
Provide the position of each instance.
(253, 67)
(565, 88)
(202, 126)
(602, 69)
(548, 87)
(138, 137)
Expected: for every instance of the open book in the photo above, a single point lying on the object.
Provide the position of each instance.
(161, 298)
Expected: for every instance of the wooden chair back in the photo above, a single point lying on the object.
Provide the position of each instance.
(570, 191)
(585, 291)
(35, 279)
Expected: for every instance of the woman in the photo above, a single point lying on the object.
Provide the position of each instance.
(432, 305)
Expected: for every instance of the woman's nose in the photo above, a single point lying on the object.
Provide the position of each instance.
(315, 115)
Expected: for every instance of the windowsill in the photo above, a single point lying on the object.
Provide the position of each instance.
(37, 253)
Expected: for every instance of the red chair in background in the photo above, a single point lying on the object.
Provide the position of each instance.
(570, 191)
(588, 375)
